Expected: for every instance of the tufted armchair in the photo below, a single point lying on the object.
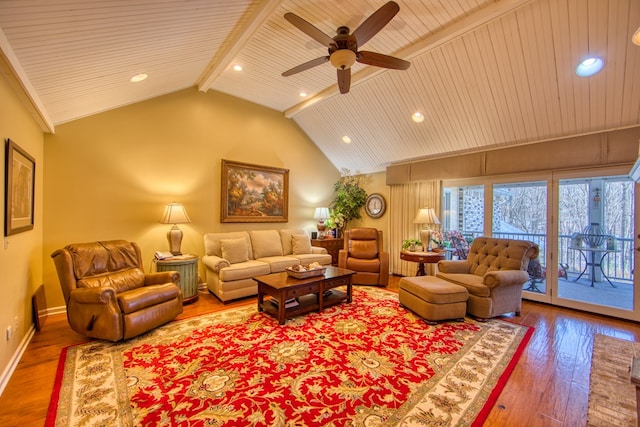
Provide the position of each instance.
(107, 293)
(363, 254)
(494, 273)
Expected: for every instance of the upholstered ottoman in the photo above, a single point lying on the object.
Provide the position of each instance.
(433, 299)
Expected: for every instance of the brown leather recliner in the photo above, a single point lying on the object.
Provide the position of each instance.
(363, 254)
(107, 293)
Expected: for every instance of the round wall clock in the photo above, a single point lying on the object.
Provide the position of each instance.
(375, 205)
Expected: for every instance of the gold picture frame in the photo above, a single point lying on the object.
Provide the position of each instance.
(254, 193)
(20, 180)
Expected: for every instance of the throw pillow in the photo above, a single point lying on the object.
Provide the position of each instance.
(300, 244)
(265, 243)
(234, 250)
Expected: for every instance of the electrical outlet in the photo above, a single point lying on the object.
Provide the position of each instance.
(9, 332)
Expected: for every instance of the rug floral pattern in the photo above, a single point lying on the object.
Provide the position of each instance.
(367, 363)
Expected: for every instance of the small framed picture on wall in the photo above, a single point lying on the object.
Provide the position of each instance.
(20, 180)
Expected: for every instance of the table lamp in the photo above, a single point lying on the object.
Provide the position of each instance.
(321, 214)
(428, 217)
(174, 213)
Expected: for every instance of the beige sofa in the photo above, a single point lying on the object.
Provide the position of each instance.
(232, 259)
(494, 273)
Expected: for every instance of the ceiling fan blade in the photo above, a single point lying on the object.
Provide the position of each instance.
(306, 66)
(375, 22)
(309, 29)
(381, 60)
(344, 79)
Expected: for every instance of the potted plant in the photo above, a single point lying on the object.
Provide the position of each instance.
(349, 198)
(411, 244)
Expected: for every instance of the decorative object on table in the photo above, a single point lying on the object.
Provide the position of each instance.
(175, 213)
(253, 193)
(349, 198)
(375, 205)
(594, 235)
(359, 345)
(437, 240)
(427, 217)
(20, 181)
(303, 271)
(321, 214)
(576, 240)
(411, 244)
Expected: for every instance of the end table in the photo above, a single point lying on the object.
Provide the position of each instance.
(187, 266)
(332, 245)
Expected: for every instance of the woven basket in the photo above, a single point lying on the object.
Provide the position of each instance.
(305, 274)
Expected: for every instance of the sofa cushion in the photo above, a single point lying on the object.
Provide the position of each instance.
(301, 244)
(285, 238)
(234, 250)
(244, 270)
(472, 282)
(363, 249)
(212, 242)
(491, 254)
(320, 258)
(147, 296)
(279, 263)
(121, 281)
(364, 265)
(265, 243)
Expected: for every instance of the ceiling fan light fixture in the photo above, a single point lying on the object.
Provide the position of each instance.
(342, 59)
(417, 117)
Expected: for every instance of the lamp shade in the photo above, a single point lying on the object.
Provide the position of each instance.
(426, 216)
(321, 214)
(174, 213)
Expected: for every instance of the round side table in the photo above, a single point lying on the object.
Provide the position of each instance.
(421, 258)
(187, 266)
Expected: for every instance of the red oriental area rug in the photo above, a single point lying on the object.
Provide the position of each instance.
(370, 362)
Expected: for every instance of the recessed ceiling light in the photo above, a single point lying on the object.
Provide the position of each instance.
(589, 67)
(417, 117)
(303, 94)
(346, 139)
(138, 77)
(237, 67)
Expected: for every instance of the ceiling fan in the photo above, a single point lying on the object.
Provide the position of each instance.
(343, 48)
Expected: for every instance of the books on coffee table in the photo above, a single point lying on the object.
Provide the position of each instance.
(291, 302)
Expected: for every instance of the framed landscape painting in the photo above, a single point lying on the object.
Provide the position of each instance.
(20, 179)
(253, 193)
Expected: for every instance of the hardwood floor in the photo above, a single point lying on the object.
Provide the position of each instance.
(549, 386)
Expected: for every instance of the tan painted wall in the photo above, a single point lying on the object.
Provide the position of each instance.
(375, 183)
(110, 175)
(20, 254)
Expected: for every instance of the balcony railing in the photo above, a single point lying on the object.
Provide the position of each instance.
(618, 265)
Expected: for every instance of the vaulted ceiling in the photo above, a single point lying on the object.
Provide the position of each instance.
(484, 73)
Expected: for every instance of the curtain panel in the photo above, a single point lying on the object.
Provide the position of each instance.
(404, 202)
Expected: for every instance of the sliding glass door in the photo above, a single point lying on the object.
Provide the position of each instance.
(583, 222)
(596, 244)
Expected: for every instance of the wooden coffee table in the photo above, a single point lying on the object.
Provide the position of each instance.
(309, 292)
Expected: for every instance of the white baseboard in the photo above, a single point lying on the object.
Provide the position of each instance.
(15, 359)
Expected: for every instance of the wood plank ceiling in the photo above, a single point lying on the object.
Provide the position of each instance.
(485, 73)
